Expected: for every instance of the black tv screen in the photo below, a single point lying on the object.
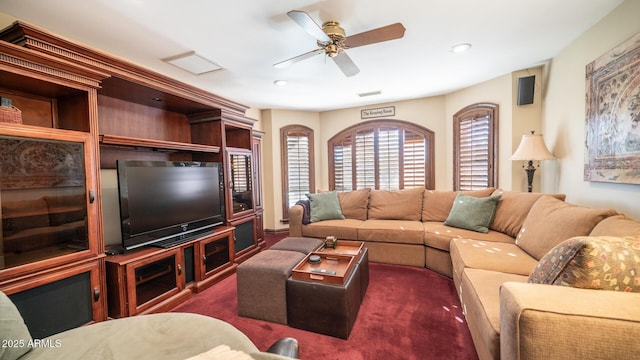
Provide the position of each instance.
(164, 201)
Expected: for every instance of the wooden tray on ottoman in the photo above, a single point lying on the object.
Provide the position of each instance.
(343, 247)
(341, 264)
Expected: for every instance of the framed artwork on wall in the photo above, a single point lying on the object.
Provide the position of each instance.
(612, 152)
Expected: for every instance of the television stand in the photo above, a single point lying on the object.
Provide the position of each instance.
(181, 239)
(154, 279)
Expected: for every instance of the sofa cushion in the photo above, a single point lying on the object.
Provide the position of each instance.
(346, 229)
(436, 205)
(472, 213)
(480, 298)
(354, 203)
(618, 225)
(551, 221)
(513, 209)
(13, 329)
(325, 206)
(602, 263)
(396, 205)
(393, 231)
(438, 235)
(489, 255)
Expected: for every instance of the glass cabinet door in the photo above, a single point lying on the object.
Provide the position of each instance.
(43, 197)
(241, 182)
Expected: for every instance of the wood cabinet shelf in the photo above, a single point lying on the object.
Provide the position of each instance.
(37, 212)
(128, 141)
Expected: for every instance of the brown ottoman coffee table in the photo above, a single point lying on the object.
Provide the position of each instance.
(304, 245)
(328, 309)
(261, 282)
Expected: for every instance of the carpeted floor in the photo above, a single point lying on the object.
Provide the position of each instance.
(407, 313)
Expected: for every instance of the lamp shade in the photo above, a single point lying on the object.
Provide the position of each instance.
(532, 147)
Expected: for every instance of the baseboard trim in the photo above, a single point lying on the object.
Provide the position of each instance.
(276, 231)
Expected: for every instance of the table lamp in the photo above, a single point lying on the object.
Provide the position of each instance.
(531, 148)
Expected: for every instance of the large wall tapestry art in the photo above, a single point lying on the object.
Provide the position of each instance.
(612, 151)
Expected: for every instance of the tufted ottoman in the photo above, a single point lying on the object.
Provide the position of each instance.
(262, 284)
(299, 244)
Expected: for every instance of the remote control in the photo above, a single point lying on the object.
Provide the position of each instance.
(323, 271)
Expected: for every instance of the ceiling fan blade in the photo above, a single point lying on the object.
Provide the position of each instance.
(306, 22)
(298, 58)
(345, 64)
(385, 33)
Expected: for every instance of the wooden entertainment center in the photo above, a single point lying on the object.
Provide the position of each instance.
(79, 111)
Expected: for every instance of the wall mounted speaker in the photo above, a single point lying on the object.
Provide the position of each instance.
(526, 86)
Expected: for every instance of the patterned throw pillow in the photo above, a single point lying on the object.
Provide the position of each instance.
(603, 263)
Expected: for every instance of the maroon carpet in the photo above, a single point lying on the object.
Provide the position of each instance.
(407, 313)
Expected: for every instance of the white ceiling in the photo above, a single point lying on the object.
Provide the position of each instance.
(246, 37)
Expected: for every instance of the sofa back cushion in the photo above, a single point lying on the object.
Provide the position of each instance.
(551, 221)
(619, 225)
(513, 209)
(436, 205)
(395, 205)
(592, 262)
(354, 203)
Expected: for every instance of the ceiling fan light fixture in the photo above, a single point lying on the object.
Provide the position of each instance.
(332, 50)
(460, 48)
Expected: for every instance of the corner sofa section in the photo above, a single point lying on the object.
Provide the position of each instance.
(509, 293)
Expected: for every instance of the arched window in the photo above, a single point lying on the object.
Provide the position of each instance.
(475, 147)
(298, 177)
(382, 154)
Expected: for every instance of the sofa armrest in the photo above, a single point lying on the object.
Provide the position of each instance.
(295, 220)
(559, 322)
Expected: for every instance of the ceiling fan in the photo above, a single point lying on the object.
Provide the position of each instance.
(333, 42)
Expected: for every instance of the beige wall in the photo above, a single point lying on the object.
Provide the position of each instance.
(271, 122)
(564, 115)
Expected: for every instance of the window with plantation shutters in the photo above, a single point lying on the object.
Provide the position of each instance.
(297, 165)
(475, 147)
(381, 154)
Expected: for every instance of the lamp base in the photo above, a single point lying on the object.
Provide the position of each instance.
(530, 172)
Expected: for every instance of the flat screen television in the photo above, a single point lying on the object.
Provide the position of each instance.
(163, 203)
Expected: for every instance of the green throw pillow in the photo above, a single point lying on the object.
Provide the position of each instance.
(472, 213)
(325, 206)
(12, 330)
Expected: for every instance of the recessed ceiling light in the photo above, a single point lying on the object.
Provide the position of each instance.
(371, 93)
(461, 48)
(193, 63)
(280, 82)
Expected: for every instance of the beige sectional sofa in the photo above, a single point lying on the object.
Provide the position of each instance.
(533, 237)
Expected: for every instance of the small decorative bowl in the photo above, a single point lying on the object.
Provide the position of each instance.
(314, 259)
